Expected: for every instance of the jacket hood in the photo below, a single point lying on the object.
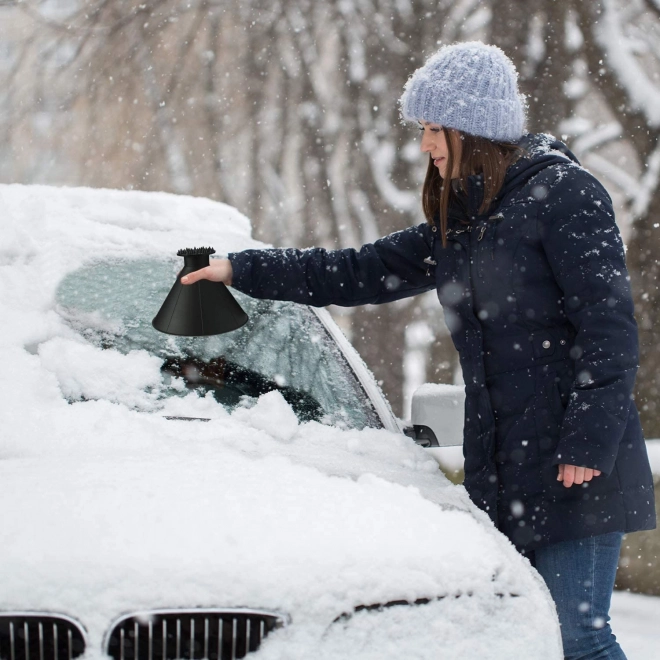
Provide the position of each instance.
(539, 151)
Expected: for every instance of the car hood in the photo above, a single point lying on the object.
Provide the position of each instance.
(108, 509)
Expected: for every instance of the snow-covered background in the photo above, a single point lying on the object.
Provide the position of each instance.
(287, 110)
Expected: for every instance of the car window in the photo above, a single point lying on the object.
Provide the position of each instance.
(282, 347)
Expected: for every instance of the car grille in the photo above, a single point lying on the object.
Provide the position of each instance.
(190, 634)
(26, 636)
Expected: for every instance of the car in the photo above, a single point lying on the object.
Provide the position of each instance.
(249, 493)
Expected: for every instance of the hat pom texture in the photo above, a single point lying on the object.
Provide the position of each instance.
(471, 87)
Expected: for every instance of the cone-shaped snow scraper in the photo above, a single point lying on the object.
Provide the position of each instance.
(202, 308)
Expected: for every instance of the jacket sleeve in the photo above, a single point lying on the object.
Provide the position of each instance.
(586, 254)
(389, 269)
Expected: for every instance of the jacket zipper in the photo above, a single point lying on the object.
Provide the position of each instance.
(480, 235)
(497, 216)
(491, 222)
(430, 261)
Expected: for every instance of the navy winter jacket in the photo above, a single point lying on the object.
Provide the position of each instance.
(537, 298)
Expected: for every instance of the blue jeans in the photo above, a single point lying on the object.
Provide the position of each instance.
(580, 575)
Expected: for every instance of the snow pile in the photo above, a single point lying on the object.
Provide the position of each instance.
(100, 374)
(108, 510)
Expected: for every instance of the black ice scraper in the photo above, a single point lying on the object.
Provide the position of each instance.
(202, 308)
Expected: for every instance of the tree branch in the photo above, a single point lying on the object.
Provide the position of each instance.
(653, 5)
(597, 137)
(598, 59)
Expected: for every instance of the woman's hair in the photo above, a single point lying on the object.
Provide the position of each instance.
(478, 155)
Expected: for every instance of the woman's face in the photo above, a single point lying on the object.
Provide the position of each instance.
(435, 144)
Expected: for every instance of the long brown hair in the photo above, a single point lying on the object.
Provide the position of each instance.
(478, 155)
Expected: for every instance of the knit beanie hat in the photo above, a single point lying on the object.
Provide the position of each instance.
(472, 87)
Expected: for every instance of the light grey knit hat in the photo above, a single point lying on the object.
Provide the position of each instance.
(472, 87)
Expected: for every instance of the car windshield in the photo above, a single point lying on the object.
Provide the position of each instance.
(283, 346)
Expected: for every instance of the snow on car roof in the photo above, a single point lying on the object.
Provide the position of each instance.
(70, 226)
(107, 509)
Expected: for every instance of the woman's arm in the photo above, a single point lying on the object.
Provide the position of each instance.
(391, 268)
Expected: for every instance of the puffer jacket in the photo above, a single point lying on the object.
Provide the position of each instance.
(537, 298)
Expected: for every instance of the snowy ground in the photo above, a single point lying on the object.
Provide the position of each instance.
(635, 623)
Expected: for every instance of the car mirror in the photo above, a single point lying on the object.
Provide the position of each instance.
(437, 415)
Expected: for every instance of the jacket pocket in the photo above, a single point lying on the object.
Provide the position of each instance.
(554, 389)
(557, 405)
(519, 459)
(549, 413)
(558, 388)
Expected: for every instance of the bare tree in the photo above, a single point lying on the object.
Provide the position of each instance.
(535, 37)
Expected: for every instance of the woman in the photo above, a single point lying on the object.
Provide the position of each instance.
(528, 264)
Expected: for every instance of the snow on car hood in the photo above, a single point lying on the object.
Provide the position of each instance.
(115, 511)
(108, 510)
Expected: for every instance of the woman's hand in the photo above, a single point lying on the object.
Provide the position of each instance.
(572, 474)
(219, 270)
